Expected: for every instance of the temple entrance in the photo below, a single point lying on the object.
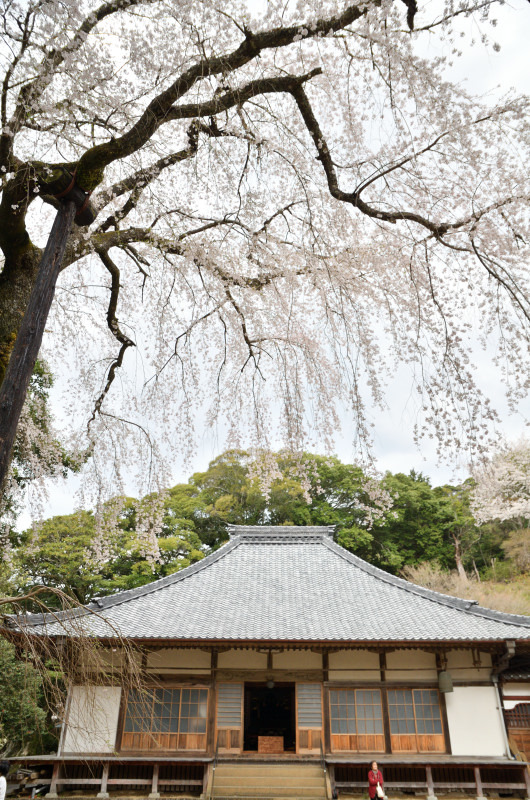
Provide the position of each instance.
(270, 718)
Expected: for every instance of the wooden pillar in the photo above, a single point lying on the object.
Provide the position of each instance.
(526, 773)
(478, 784)
(325, 666)
(384, 703)
(331, 772)
(52, 794)
(212, 707)
(207, 780)
(326, 722)
(430, 783)
(103, 793)
(155, 794)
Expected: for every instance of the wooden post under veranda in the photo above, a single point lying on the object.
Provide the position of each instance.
(27, 345)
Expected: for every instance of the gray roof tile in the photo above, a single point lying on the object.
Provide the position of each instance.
(290, 583)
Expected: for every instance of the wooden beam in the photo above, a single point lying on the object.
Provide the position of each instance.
(325, 665)
(326, 719)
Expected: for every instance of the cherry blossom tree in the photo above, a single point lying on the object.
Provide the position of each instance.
(290, 204)
(502, 490)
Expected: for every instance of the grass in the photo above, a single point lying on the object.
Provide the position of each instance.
(512, 597)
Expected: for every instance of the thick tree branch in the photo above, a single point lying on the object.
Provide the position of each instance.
(92, 164)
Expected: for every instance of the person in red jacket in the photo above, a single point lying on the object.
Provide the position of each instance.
(375, 779)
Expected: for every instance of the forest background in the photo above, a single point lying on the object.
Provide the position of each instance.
(427, 535)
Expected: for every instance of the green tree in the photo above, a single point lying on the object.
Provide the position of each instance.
(59, 553)
(416, 530)
(312, 490)
(474, 546)
(25, 723)
(37, 451)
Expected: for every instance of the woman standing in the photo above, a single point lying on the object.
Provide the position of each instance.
(375, 780)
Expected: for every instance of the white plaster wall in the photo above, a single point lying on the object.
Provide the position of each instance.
(99, 659)
(461, 665)
(242, 659)
(475, 726)
(517, 689)
(354, 665)
(297, 659)
(177, 661)
(411, 665)
(92, 719)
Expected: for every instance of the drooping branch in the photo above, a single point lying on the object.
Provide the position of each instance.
(438, 229)
(353, 198)
(112, 323)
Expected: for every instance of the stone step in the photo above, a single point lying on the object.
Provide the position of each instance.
(270, 780)
(286, 770)
(270, 797)
(278, 793)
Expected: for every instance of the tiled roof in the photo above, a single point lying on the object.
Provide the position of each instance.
(288, 583)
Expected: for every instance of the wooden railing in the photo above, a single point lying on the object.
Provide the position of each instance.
(433, 780)
(113, 774)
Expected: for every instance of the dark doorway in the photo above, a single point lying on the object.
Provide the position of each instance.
(270, 712)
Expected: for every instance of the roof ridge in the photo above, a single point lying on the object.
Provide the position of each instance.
(459, 603)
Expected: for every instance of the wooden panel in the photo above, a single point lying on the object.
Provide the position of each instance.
(416, 743)
(270, 744)
(371, 742)
(361, 743)
(229, 716)
(163, 741)
(309, 739)
(315, 738)
(403, 742)
(521, 738)
(431, 743)
(309, 716)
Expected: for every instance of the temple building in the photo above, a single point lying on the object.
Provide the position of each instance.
(280, 666)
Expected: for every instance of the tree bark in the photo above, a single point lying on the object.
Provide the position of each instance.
(458, 558)
(26, 349)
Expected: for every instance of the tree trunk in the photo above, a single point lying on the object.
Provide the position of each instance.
(28, 341)
(17, 279)
(458, 558)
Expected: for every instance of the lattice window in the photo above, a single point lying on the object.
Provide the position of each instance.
(414, 711)
(166, 711)
(356, 711)
(518, 717)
